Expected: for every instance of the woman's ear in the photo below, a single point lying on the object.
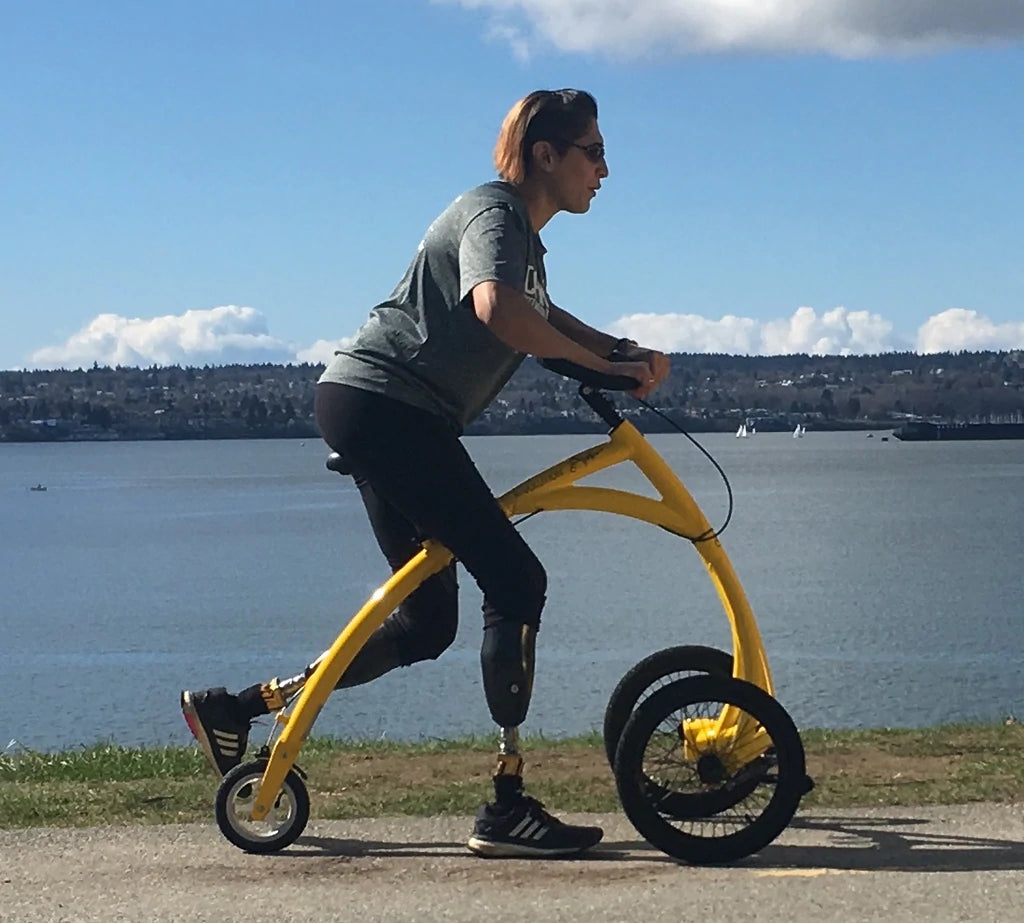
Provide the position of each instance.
(544, 155)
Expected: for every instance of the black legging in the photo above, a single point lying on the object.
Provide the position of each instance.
(417, 481)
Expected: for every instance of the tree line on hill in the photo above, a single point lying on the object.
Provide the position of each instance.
(705, 392)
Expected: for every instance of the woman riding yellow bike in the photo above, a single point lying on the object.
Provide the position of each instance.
(472, 304)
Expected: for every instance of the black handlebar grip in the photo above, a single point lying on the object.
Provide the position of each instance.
(597, 380)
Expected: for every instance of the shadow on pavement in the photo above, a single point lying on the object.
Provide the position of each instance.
(874, 844)
(632, 851)
(895, 844)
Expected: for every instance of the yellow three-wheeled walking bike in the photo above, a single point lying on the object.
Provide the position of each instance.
(709, 767)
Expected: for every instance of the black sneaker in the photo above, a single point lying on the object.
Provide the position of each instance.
(212, 719)
(526, 829)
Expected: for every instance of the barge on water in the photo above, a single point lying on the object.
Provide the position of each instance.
(920, 431)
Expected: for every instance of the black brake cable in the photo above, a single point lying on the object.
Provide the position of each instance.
(708, 535)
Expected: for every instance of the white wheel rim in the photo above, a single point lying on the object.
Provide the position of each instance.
(240, 801)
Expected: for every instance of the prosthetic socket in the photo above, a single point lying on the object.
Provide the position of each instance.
(507, 661)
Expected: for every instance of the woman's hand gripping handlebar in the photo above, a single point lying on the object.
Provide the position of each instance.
(635, 375)
(592, 384)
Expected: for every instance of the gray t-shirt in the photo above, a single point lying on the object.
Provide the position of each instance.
(424, 345)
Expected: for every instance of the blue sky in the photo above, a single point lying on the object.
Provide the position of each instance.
(227, 181)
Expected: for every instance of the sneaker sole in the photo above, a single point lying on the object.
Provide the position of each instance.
(491, 849)
(188, 710)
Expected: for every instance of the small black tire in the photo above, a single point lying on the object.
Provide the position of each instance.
(640, 800)
(641, 680)
(233, 804)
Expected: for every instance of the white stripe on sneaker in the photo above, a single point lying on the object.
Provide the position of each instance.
(523, 824)
(531, 827)
(228, 742)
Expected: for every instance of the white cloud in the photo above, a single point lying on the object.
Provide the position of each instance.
(227, 334)
(962, 329)
(835, 332)
(513, 37)
(846, 28)
(214, 336)
(322, 350)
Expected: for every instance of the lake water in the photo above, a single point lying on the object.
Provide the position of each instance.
(886, 579)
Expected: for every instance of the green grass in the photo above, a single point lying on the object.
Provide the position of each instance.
(109, 784)
(99, 763)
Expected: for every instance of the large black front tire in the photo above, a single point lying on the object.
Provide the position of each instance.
(651, 673)
(754, 802)
(282, 826)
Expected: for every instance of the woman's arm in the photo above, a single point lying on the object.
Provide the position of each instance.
(585, 335)
(604, 343)
(514, 321)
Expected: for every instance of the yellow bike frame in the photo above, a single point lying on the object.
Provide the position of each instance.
(553, 489)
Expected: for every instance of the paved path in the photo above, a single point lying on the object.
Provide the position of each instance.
(893, 864)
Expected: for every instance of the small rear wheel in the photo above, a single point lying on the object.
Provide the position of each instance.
(280, 828)
(651, 673)
(730, 797)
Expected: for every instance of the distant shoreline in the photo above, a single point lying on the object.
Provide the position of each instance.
(573, 428)
(703, 394)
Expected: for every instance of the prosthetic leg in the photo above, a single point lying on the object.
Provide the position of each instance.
(507, 659)
(515, 824)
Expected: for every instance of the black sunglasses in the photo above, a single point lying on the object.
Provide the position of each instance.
(594, 152)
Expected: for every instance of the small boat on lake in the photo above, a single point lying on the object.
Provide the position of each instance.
(38, 487)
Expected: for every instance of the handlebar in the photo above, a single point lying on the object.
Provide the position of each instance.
(588, 377)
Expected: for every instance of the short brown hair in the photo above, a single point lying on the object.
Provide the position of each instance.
(557, 116)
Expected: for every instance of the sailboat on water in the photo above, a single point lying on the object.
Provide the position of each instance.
(798, 433)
